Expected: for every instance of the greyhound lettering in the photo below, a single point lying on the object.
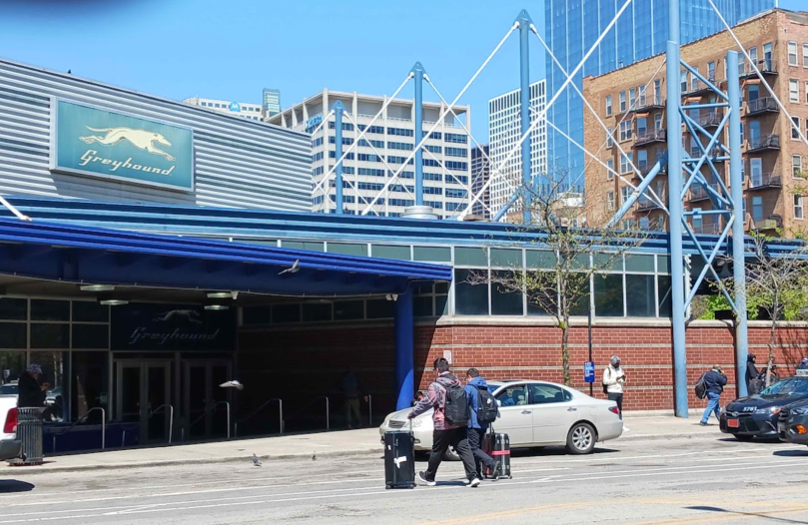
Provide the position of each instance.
(140, 138)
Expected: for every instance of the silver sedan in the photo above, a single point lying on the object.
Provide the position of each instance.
(533, 414)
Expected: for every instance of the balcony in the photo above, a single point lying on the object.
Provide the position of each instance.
(647, 103)
(710, 228)
(764, 143)
(772, 222)
(699, 88)
(764, 181)
(698, 192)
(767, 67)
(646, 204)
(762, 105)
(645, 168)
(650, 136)
(711, 120)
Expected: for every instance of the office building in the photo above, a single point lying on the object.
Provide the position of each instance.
(480, 173)
(774, 156)
(504, 133)
(573, 26)
(271, 102)
(239, 109)
(382, 151)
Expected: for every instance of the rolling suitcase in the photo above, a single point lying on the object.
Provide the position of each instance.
(399, 459)
(498, 446)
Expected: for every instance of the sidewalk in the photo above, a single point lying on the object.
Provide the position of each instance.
(323, 445)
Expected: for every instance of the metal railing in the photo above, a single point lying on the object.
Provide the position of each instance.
(699, 191)
(767, 180)
(762, 104)
(82, 418)
(259, 409)
(711, 119)
(170, 419)
(649, 101)
(765, 142)
(209, 410)
(710, 228)
(651, 136)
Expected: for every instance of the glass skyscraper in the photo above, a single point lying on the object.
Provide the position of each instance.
(573, 26)
(271, 102)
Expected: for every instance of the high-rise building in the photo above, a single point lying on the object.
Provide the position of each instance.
(504, 133)
(383, 150)
(239, 109)
(572, 27)
(271, 102)
(480, 173)
(774, 156)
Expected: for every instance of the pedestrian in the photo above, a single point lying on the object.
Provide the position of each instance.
(351, 391)
(613, 380)
(715, 381)
(775, 377)
(803, 364)
(445, 433)
(752, 375)
(31, 393)
(477, 428)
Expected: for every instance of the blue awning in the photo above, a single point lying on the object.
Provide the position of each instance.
(56, 252)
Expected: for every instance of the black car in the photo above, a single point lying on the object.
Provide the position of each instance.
(793, 425)
(758, 415)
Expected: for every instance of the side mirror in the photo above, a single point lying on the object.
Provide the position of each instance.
(499, 403)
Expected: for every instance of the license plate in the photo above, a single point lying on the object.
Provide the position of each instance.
(733, 423)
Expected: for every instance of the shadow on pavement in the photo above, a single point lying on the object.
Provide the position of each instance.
(552, 451)
(791, 453)
(8, 486)
(765, 515)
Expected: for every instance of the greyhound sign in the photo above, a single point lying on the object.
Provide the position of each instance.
(100, 143)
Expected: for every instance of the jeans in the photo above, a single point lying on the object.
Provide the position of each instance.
(480, 457)
(712, 406)
(352, 409)
(441, 440)
(619, 399)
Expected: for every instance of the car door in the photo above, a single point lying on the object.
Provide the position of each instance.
(553, 412)
(515, 415)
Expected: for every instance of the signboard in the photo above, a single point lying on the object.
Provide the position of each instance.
(313, 121)
(156, 327)
(235, 107)
(447, 354)
(104, 144)
(589, 372)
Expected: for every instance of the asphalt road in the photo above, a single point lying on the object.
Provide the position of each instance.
(709, 479)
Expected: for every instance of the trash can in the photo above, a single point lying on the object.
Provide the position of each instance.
(29, 432)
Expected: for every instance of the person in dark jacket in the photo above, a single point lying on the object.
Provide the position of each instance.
(803, 364)
(476, 431)
(715, 381)
(752, 374)
(31, 394)
(351, 390)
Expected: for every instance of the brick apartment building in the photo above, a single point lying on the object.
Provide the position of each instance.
(631, 101)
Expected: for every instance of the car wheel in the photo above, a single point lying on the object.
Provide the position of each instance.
(451, 454)
(744, 438)
(581, 439)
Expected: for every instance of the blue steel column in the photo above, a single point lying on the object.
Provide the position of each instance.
(338, 110)
(405, 350)
(675, 206)
(524, 106)
(418, 76)
(736, 191)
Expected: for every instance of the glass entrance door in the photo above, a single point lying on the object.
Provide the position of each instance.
(205, 403)
(144, 391)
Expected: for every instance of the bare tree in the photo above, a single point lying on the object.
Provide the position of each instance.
(575, 256)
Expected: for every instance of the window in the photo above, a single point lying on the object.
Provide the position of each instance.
(455, 138)
(694, 80)
(626, 159)
(795, 134)
(640, 293)
(793, 90)
(657, 92)
(642, 159)
(622, 102)
(403, 146)
(610, 138)
(632, 97)
(806, 92)
(641, 101)
(658, 121)
(543, 394)
(796, 165)
(642, 126)
(610, 169)
(798, 213)
(711, 71)
(625, 193)
(512, 396)
(805, 55)
(610, 200)
(625, 130)
(757, 208)
(683, 80)
(456, 152)
(792, 53)
(609, 295)
(400, 132)
(608, 105)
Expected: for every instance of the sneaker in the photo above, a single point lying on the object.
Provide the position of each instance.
(426, 480)
(703, 423)
(475, 482)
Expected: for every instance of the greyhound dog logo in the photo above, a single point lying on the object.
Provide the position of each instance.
(140, 138)
(183, 316)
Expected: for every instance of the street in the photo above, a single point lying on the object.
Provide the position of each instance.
(707, 478)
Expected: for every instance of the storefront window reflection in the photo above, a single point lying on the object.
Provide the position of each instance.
(90, 384)
(54, 368)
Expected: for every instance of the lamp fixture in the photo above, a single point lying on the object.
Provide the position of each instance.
(113, 302)
(223, 295)
(216, 307)
(97, 288)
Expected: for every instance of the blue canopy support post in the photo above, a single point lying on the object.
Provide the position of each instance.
(736, 189)
(676, 208)
(524, 105)
(405, 350)
(338, 111)
(418, 75)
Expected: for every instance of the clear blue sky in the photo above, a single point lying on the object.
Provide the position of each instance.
(231, 50)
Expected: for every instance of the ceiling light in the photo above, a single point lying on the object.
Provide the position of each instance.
(222, 295)
(216, 307)
(97, 288)
(113, 302)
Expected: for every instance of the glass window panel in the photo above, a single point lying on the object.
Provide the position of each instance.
(640, 296)
(315, 312)
(506, 258)
(470, 299)
(348, 249)
(286, 313)
(381, 309)
(254, 315)
(608, 262)
(664, 263)
(442, 305)
(422, 288)
(50, 335)
(13, 335)
(471, 257)
(581, 261)
(504, 302)
(442, 287)
(310, 246)
(422, 306)
(48, 310)
(12, 365)
(539, 259)
(91, 336)
(432, 254)
(349, 310)
(665, 303)
(90, 385)
(580, 304)
(639, 263)
(13, 309)
(392, 252)
(54, 369)
(609, 295)
(90, 312)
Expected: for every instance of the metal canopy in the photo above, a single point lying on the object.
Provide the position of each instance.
(82, 254)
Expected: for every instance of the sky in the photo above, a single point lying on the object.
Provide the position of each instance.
(230, 50)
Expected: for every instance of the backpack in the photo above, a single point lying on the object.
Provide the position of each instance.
(701, 387)
(487, 409)
(457, 406)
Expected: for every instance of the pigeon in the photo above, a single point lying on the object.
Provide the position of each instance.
(256, 461)
(232, 384)
(314, 457)
(291, 269)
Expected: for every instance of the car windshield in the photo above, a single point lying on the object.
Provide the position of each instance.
(793, 386)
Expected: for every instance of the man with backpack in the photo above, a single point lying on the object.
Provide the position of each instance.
(450, 420)
(714, 383)
(483, 413)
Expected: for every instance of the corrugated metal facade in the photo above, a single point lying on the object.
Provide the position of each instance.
(238, 163)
